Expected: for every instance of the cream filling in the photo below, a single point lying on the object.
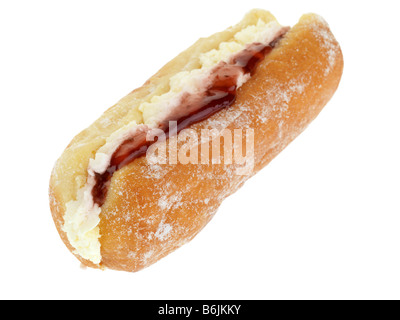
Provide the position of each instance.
(82, 215)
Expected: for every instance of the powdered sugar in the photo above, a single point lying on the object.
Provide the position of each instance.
(329, 43)
(167, 201)
(163, 232)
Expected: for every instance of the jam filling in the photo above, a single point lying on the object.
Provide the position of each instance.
(219, 95)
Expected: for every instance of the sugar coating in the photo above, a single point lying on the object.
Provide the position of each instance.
(273, 109)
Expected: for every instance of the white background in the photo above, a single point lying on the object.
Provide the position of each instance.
(322, 221)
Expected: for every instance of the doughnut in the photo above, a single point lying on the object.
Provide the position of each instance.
(151, 172)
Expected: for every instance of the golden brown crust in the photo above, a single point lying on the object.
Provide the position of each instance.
(152, 210)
